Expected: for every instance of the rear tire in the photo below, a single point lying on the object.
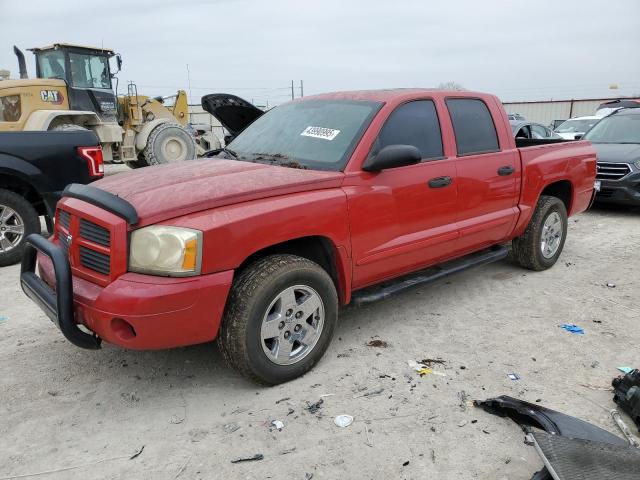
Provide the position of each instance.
(18, 219)
(168, 143)
(68, 127)
(542, 242)
(269, 332)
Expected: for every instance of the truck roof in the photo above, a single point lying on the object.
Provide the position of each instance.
(56, 46)
(386, 95)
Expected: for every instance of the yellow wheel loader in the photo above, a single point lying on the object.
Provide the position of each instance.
(73, 90)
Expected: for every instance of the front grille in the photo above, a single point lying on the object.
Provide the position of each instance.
(95, 260)
(94, 233)
(64, 241)
(612, 171)
(65, 219)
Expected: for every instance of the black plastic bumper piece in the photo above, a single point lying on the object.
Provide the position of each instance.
(627, 394)
(428, 275)
(58, 304)
(103, 199)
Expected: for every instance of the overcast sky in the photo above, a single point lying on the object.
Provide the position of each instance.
(519, 50)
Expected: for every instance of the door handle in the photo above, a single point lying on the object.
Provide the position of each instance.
(440, 182)
(506, 170)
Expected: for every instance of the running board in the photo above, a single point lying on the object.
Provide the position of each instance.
(428, 275)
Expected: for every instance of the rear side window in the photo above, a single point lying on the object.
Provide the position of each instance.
(414, 123)
(473, 126)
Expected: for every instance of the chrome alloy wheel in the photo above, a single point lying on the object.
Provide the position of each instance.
(11, 229)
(292, 325)
(551, 236)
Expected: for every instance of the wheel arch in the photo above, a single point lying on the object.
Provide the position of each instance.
(317, 248)
(562, 189)
(16, 183)
(43, 120)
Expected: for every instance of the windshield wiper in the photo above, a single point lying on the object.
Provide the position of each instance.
(277, 159)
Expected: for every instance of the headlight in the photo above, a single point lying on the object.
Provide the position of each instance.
(162, 250)
(637, 164)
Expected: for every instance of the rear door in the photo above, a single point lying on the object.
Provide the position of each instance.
(404, 218)
(487, 174)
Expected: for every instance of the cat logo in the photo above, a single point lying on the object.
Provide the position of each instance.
(52, 96)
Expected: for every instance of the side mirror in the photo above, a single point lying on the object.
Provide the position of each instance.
(119, 62)
(578, 136)
(392, 156)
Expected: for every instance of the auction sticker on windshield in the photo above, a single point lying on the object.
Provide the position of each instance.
(320, 132)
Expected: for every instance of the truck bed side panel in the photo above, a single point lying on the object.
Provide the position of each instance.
(543, 165)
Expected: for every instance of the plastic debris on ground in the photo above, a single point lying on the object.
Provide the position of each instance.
(314, 407)
(625, 370)
(257, 456)
(343, 420)
(611, 285)
(423, 369)
(571, 328)
(277, 424)
(513, 376)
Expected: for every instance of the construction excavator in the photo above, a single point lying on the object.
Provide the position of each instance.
(73, 90)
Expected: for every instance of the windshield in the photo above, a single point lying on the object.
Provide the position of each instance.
(316, 134)
(89, 71)
(616, 129)
(576, 126)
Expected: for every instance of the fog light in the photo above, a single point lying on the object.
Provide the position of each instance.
(123, 329)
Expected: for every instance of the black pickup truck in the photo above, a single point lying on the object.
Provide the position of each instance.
(34, 169)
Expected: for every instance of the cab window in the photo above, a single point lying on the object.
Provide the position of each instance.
(10, 108)
(89, 71)
(414, 123)
(473, 126)
(51, 64)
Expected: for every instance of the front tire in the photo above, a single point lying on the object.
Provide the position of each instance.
(18, 219)
(542, 242)
(279, 319)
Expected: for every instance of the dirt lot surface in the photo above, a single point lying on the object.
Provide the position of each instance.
(83, 414)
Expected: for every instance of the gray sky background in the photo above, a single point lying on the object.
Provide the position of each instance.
(518, 50)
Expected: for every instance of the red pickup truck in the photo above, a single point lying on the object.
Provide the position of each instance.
(326, 200)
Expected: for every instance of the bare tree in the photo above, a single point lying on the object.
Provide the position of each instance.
(451, 85)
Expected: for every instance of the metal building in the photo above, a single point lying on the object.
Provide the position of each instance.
(546, 112)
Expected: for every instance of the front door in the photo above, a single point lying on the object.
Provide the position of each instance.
(403, 219)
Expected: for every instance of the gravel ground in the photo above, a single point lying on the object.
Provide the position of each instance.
(83, 414)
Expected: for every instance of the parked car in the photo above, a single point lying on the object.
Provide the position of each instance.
(34, 169)
(203, 135)
(556, 123)
(532, 130)
(515, 117)
(323, 201)
(616, 139)
(576, 127)
(606, 108)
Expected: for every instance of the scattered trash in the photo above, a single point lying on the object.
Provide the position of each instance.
(462, 423)
(282, 400)
(371, 393)
(627, 394)
(277, 424)
(137, 454)
(464, 400)
(288, 451)
(308, 476)
(422, 369)
(291, 410)
(594, 364)
(625, 370)
(176, 420)
(633, 440)
(513, 376)
(327, 395)
(405, 463)
(571, 328)
(314, 407)
(430, 361)
(611, 285)
(378, 343)
(257, 456)
(343, 420)
(231, 427)
(597, 321)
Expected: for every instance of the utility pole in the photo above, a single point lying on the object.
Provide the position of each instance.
(189, 84)
(301, 89)
(292, 91)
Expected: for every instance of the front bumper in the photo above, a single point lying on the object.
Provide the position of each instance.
(135, 311)
(623, 191)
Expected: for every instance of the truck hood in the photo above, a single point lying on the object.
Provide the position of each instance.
(163, 192)
(617, 152)
(234, 113)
